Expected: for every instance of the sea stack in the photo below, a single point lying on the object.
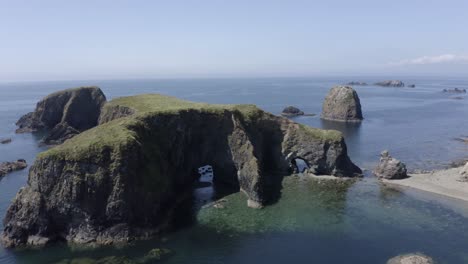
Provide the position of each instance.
(125, 178)
(390, 168)
(342, 104)
(64, 114)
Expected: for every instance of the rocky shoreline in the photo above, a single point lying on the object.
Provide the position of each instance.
(452, 182)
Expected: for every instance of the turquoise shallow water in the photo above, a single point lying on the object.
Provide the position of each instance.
(314, 222)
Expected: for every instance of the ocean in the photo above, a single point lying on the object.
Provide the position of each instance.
(315, 221)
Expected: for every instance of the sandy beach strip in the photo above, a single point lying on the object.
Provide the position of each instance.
(444, 182)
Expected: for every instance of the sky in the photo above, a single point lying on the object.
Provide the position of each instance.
(73, 40)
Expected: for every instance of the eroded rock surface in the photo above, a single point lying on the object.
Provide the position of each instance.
(124, 179)
(342, 104)
(390, 168)
(64, 113)
(7, 167)
(415, 258)
(391, 83)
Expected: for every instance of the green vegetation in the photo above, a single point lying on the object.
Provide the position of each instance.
(118, 133)
(330, 135)
(70, 90)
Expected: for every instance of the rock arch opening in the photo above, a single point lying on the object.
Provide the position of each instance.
(299, 165)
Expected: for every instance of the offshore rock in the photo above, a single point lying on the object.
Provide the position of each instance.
(76, 110)
(7, 167)
(291, 111)
(342, 104)
(390, 168)
(5, 140)
(391, 83)
(124, 179)
(354, 83)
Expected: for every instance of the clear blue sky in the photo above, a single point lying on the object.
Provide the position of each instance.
(47, 40)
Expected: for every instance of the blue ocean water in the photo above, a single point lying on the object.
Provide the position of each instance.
(417, 125)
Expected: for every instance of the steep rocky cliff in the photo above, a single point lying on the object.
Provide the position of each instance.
(64, 113)
(123, 179)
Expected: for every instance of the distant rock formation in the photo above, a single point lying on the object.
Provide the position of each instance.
(390, 168)
(415, 258)
(291, 111)
(412, 85)
(125, 178)
(7, 167)
(391, 83)
(64, 113)
(357, 83)
(456, 90)
(342, 104)
(5, 140)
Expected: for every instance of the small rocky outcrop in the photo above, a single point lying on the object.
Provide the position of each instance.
(456, 90)
(357, 83)
(412, 86)
(5, 140)
(7, 167)
(415, 258)
(342, 104)
(124, 179)
(391, 83)
(291, 111)
(464, 170)
(68, 111)
(390, 168)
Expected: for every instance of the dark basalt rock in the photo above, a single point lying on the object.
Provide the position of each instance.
(7, 167)
(5, 140)
(390, 168)
(124, 179)
(456, 90)
(357, 83)
(77, 109)
(291, 111)
(391, 83)
(342, 104)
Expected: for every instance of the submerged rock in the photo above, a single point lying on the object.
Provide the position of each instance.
(75, 109)
(391, 83)
(291, 111)
(412, 86)
(456, 90)
(342, 104)
(7, 167)
(415, 258)
(357, 83)
(105, 260)
(390, 168)
(123, 180)
(5, 140)
(156, 254)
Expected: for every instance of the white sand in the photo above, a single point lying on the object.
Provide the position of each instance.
(445, 182)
